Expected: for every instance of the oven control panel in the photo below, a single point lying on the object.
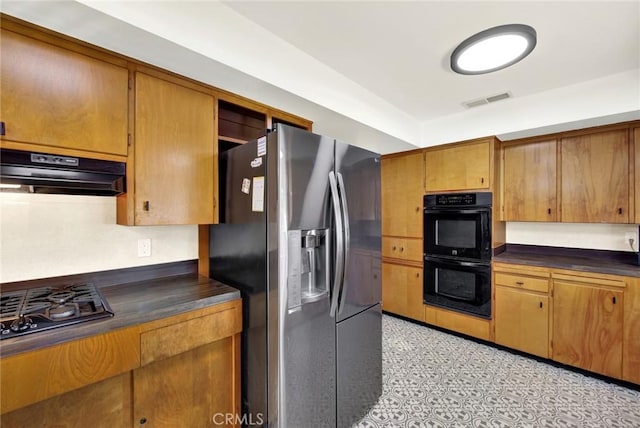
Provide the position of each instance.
(458, 200)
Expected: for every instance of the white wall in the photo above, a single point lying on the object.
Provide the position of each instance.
(573, 235)
(576, 105)
(51, 235)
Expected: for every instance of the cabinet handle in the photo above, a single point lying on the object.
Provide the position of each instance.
(2, 129)
(520, 283)
(401, 249)
(614, 300)
(143, 421)
(549, 211)
(394, 248)
(145, 205)
(417, 209)
(417, 274)
(619, 210)
(540, 305)
(482, 180)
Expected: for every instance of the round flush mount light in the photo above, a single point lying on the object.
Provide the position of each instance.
(493, 49)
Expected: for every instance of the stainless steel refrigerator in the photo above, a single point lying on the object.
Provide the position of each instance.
(299, 236)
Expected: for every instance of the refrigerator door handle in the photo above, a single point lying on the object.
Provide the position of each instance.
(347, 241)
(339, 266)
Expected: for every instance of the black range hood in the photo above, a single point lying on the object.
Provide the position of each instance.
(47, 173)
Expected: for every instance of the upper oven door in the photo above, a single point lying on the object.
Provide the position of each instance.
(458, 232)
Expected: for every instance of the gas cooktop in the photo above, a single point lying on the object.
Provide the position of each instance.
(38, 309)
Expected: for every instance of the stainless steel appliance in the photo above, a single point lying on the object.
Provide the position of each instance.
(43, 308)
(299, 235)
(457, 252)
(49, 173)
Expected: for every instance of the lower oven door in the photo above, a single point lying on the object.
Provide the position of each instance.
(458, 285)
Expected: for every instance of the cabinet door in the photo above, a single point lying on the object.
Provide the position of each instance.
(595, 178)
(462, 167)
(636, 177)
(402, 291)
(530, 182)
(587, 327)
(104, 404)
(174, 154)
(196, 388)
(522, 321)
(56, 97)
(401, 181)
(631, 340)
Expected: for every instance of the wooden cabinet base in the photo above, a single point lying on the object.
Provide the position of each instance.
(182, 379)
(587, 327)
(191, 388)
(631, 333)
(522, 321)
(105, 404)
(460, 323)
(402, 290)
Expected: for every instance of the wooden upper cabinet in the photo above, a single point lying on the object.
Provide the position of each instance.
(595, 178)
(530, 182)
(463, 166)
(401, 181)
(636, 176)
(174, 153)
(56, 97)
(239, 123)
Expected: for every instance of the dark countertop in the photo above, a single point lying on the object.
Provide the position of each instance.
(133, 303)
(597, 261)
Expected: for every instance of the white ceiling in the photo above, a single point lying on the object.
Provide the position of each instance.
(400, 50)
(378, 71)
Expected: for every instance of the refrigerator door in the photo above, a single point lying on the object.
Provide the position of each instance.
(238, 254)
(359, 365)
(305, 337)
(358, 172)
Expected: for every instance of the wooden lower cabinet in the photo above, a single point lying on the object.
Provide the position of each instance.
(631, 333)
(587, 327)
(185, 372)
(105, 404)
(522, 321)
(192, 389)
(402, 290)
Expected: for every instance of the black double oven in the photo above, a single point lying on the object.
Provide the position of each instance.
(457, 252)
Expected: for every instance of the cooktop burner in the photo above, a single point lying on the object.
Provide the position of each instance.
(37, 309)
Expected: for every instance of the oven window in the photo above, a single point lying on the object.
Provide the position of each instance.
(456, 233)
(456, 284)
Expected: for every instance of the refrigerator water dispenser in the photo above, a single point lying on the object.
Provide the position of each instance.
(308, 266)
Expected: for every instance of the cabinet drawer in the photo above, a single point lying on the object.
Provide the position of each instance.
(177, 338)
(524, 282)
(402, 248)
(35, 376)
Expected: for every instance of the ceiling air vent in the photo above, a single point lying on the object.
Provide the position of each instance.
(487, 100)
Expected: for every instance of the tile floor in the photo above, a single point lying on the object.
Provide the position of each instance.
(433, 379)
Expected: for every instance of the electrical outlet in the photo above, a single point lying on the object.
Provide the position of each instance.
(144, 247)
(631, 239)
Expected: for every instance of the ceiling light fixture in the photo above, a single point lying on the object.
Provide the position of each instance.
(493, 49)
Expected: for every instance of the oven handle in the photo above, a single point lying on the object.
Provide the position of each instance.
(457, 211)
(453, 262)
